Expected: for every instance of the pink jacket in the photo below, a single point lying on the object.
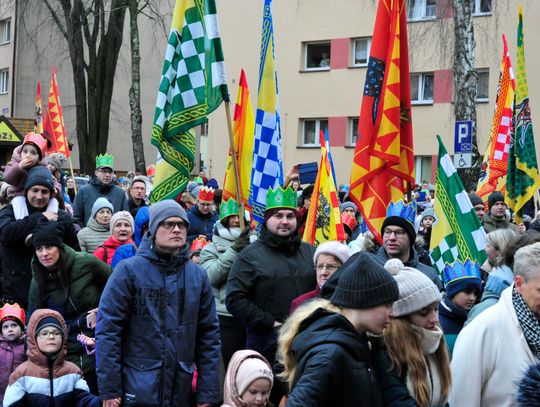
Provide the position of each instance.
(12, 354)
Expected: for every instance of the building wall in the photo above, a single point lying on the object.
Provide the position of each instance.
(7, 36)
(334, 94)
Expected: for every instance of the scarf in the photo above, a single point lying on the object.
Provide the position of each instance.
(20, 207)
(287, 245)
(528, 322)
(429, 340)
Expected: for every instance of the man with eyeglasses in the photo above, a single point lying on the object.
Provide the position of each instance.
(201, 216)
(398, 243)
(101, 185)
(157, 322)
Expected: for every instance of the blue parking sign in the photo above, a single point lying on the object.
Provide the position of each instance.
(463, 137)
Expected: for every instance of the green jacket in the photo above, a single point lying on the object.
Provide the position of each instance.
(490, 224)
(85, 279)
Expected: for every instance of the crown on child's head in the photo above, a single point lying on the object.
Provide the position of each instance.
(460, 270)
(12, 312)
(281, 198)
(403, 210)
(206, 194)
(105, 160)
(198, 243)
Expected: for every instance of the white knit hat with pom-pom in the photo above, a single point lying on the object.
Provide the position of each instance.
(416, 290)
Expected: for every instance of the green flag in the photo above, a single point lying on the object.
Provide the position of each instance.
(457, 233)
(523, 179)
(193, 84)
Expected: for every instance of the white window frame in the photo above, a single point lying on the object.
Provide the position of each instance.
(306, 56)
(476, 6)
(418, 164)
(5, 25)
(421, 88)
(482, 71)
(4, 81)
(317, 131)
(422, 11)
(353, 49)
(352, 128)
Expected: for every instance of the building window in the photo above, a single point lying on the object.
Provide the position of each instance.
(353, 131)
(360, 51)
(311, 129)
(481, 7)
(422, 88)
(5, 31)
(421, 9)
(482, 87)
(317, 56)
(422, 169)
(4, 81)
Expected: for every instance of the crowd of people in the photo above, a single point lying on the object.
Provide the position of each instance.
(107, 300)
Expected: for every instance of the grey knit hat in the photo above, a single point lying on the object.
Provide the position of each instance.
(416, 290)
(101, 203)
(122, 215)
(348, 204)
(364, 284)
(162, 210)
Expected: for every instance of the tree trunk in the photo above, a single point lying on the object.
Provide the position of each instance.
(465, 82)
(135, 90)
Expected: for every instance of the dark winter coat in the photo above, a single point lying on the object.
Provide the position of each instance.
(490, 224)
(451, 318)
(156, 321)
(85, 278)
(200, 224)
(33, 381)
(12, 354)
(335, 366)
(87, 195)
(17, 256)
(264, 279)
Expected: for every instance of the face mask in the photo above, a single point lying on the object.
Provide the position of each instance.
(429, 340)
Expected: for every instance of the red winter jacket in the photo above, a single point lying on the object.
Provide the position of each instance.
(106, 251)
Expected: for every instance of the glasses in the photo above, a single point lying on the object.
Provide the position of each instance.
(45, 334)
(329, 267)
(170, 224)
(398, 233)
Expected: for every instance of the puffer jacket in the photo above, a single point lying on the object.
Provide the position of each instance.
(87, 195)
(217, 258)
(93, 235)
(200, 224)
(85, 279)
(44, 381)
(157, 320)
(106, 251)
(12, 354)
(17, 256)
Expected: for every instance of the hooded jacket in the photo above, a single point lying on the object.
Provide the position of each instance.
(85, 278)
(231, 398)
(334, 365)
(93, 235)
(45, 381)
(156, 322)
(87, 195)
(200, 223)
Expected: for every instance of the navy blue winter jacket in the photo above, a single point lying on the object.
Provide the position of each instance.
(157, 321)
(200, 224)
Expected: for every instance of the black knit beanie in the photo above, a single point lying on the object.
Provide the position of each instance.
(475, 199)
(47, 234)
(50, 321)
(495, 196)
(402, 223)
(365, 284)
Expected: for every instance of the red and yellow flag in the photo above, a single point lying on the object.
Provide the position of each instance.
(323, 221)
(243, 130)
(383, 162)
(38, 120)
(53, 127)
(495, 163)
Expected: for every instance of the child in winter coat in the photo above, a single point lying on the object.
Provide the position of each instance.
(248, 380)
(46, 377)
(12, 348)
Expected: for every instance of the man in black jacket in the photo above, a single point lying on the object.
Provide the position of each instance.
(17, 222)
(269, 273)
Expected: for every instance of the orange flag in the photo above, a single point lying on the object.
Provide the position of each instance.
(38, 123)
(53, 126)
(383, 162)
(244, 139)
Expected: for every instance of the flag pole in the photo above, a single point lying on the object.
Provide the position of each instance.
(226, 101)
(72, 174)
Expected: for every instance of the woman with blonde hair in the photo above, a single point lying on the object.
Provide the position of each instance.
(414, 341)
(497, 241)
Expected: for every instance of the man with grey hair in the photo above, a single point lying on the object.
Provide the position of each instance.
(493, 351)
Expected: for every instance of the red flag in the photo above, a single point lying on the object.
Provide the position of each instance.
(38, 124)
(53, 125)
(383, 161)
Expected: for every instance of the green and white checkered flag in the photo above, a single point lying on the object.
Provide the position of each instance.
(457, 233)
(193, 84)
